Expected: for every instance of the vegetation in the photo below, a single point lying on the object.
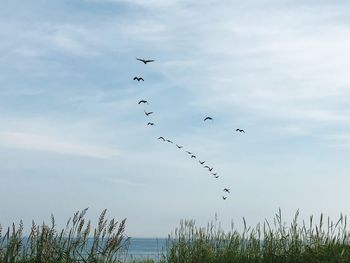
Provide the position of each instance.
(72, 244)
(324, 241)
(294, 243)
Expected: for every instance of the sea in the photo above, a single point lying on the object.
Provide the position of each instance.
(146, 248)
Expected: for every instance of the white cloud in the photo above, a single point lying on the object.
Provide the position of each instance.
(34, 142)
(144, 3)
(44, 39)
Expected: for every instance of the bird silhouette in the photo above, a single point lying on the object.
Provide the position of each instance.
(210, 169)
(240, 130)
(148, 113)
(193, 156)
(161, 138)
(201, 162)
(138, 78)
(224, 197)
(178, 146)
(145, 61)
(150, 123)
(208, 118)
(216, 176)
(169, 141)
(143, 101)
(188, 152)
(226, 190)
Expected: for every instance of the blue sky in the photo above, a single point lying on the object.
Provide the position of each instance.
(72, 135)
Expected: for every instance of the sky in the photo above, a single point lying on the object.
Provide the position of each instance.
(73, 136)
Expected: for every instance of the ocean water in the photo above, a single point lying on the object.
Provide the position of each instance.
(139, 248)
(143, 248)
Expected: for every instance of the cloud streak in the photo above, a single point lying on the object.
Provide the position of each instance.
(34, 142)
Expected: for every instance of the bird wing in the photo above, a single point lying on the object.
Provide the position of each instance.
(140, 59)
(134, 78)
(141, 79)
(149, 60)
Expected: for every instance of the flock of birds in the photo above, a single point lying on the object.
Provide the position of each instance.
(226, 191)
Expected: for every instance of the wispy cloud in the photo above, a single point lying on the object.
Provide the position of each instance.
(34, 142)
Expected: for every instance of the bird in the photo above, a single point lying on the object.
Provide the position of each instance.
(193, 156)
(169, 141)
(210, 169)
(145, 61)
(201, 162)
(240, 130)
(224, 197)
(150, 123)
(161, 138)
(226, 190)
(138, 78)
(143, 101)
(216, 176)
(148, 113)
(188, 152)
(178, 146)
(208, 118)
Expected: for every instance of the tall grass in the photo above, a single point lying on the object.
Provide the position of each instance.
(277, 242)
(77, 242)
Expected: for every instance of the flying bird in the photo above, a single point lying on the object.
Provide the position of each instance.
(138, 78)
(210, 169)
(193, 156)
(224, 197)
(216, 176)
(161, 138)
(142, 101)
(201, 162)
(145, 61)
(148, 113)
(240, 130)
(188, 152)
(150, 123)
(208, 118)
(178, 146)
(226, 190)
(169, 141)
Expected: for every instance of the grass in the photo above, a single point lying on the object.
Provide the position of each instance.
(71, 244)
(322, 241)
(276, 242)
